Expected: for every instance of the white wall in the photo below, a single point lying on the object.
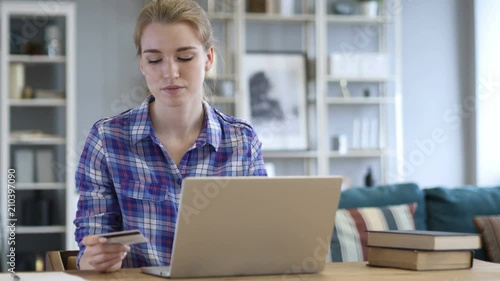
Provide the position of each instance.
(436, 79)
(108, 76)
(487, 39)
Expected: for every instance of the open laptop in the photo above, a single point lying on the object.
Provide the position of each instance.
(233, 226)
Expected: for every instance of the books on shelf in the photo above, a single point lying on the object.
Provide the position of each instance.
(424, 240)
(49, 94)
(34, 136)
(420, 259)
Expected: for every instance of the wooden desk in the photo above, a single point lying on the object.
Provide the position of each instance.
(350, 271)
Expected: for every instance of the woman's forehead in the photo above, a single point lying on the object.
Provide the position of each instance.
(169, 36)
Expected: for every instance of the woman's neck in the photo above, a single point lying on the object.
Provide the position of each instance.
(176, 122)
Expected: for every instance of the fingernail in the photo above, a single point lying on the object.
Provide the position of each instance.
(102, 240)
(124, 255)
(127, 247)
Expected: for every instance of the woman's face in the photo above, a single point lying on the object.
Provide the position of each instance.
(174, 63)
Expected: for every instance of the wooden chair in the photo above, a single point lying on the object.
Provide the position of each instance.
(60, 260)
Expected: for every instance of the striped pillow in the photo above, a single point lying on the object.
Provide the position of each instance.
(489, 227)
(350, 236)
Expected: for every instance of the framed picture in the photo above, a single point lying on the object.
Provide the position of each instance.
(276, 87)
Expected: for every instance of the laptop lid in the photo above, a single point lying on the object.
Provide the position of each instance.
(231, 226)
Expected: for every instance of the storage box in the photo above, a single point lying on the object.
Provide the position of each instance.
(45, 165)
(24, 162)
(344, 65)
(373, 65)
(358, 65)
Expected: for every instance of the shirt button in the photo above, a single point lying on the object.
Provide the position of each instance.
(179, 181)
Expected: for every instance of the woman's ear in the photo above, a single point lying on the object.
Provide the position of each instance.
(142, 68)
(210, 58)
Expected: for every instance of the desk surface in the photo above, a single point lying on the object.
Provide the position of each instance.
(349, 271)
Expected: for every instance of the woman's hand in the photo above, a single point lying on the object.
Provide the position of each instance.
(100, 256)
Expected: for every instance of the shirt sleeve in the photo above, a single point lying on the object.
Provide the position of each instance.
(98, 210)
(257, 167)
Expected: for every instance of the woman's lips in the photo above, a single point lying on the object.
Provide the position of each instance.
(174, 89)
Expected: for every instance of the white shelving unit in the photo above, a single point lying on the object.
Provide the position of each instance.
(36, 59)
(41, 72)
(382, 36)
(314, 25)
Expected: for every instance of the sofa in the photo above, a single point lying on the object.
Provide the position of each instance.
(407, 206)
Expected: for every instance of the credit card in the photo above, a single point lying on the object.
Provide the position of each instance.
(126, 237)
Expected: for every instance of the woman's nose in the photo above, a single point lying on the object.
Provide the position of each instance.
(171, 70)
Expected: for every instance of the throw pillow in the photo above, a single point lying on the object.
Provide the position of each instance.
(350, 237)
(387, 195)
(489, 227)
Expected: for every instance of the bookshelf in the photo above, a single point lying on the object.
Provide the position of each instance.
(37, 59)
(312, 30)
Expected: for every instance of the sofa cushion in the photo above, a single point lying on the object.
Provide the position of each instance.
(386, 195)
(350, 237)
(453, 209)
(489, 227)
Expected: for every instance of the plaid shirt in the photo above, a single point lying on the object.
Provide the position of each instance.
(127, 180)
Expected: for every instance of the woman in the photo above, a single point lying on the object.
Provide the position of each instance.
(131, 169)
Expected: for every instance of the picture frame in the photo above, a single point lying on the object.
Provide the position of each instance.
(276, 85)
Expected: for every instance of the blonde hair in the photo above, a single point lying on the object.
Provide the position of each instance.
(175, 11)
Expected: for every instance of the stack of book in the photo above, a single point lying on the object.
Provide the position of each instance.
(422, 250)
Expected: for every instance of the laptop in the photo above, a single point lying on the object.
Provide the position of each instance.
(235, 226)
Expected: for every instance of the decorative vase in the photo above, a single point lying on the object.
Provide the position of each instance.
(369, 8)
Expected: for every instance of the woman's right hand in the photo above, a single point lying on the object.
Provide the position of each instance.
(101, 256)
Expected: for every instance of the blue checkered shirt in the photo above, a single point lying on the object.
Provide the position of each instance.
(127, 180)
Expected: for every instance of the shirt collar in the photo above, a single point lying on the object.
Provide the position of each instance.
(211, 132)
(141, 126)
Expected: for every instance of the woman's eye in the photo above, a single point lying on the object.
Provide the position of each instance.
(185, 58)
(154, 61)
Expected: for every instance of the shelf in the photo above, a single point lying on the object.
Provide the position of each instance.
(37, 59)
(289, 154)
(360, 101)
(40, 186)
(38, 141)
(357, 154)
(356, 19)
(37, 102)
(360, 80)
(40, 229)
(278, 17)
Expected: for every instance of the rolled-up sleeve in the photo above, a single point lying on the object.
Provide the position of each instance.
(98, 208)
(257, 167)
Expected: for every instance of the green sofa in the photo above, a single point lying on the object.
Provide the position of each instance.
(438, 208)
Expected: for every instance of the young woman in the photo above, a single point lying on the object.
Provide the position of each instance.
(131, 169)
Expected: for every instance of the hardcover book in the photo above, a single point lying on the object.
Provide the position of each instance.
(419, 260)
(424, 240)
